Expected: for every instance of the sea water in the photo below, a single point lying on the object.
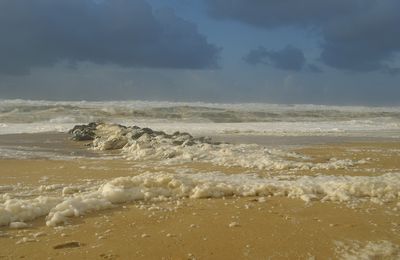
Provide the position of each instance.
(27, 116)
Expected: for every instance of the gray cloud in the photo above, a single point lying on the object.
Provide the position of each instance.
(314, 68)
(357, 35)
(289, 58)
(275, 13)
(127, 33)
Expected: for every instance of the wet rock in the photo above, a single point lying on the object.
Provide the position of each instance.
(159, 133)
(83, 132)
(82, 135)
(204, 139)
(147, 130)
(177, 142)
(112, 137)
(186, 135)
(145, 138)
(136, 132)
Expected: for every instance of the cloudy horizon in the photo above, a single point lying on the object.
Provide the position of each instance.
(344, 52)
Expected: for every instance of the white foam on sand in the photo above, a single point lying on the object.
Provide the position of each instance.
(248, 156)
(165, 186)
(356, 250)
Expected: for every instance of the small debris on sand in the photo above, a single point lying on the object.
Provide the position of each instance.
(71, 244)
(233, 224)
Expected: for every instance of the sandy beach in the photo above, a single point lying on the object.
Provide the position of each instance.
(231, 227)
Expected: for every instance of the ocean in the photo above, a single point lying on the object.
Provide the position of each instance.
(28, 116)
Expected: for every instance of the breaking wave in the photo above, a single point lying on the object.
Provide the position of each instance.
(20, 116)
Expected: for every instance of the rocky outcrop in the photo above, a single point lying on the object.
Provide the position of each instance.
(83, 132)
(114, 136)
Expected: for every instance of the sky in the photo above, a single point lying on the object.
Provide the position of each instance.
(343, 52)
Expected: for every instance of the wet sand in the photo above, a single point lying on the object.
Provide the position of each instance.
(231, 228)
(204, 229)
(270, 140)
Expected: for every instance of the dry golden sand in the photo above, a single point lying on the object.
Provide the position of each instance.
(278, 228)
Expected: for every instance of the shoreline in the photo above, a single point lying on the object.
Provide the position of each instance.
(61, 140)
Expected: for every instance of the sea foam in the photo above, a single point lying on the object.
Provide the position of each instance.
(145, 144)
(354, 250)
(162, 186)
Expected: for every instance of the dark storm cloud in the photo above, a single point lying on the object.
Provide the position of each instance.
(289, 58)
(122, 32)
(273, 13)
(357, 35)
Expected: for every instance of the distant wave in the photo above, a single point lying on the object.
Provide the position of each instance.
(30, 111)
(29, 116)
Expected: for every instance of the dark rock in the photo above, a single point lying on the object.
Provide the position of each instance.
(83, 135)
(88, 133)
(178, 142)
(157, 133)
(147, 130)
(136, 133)
(204, 139)
(186, 134)
(83, 127)
(83, 132)
(167, 136)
